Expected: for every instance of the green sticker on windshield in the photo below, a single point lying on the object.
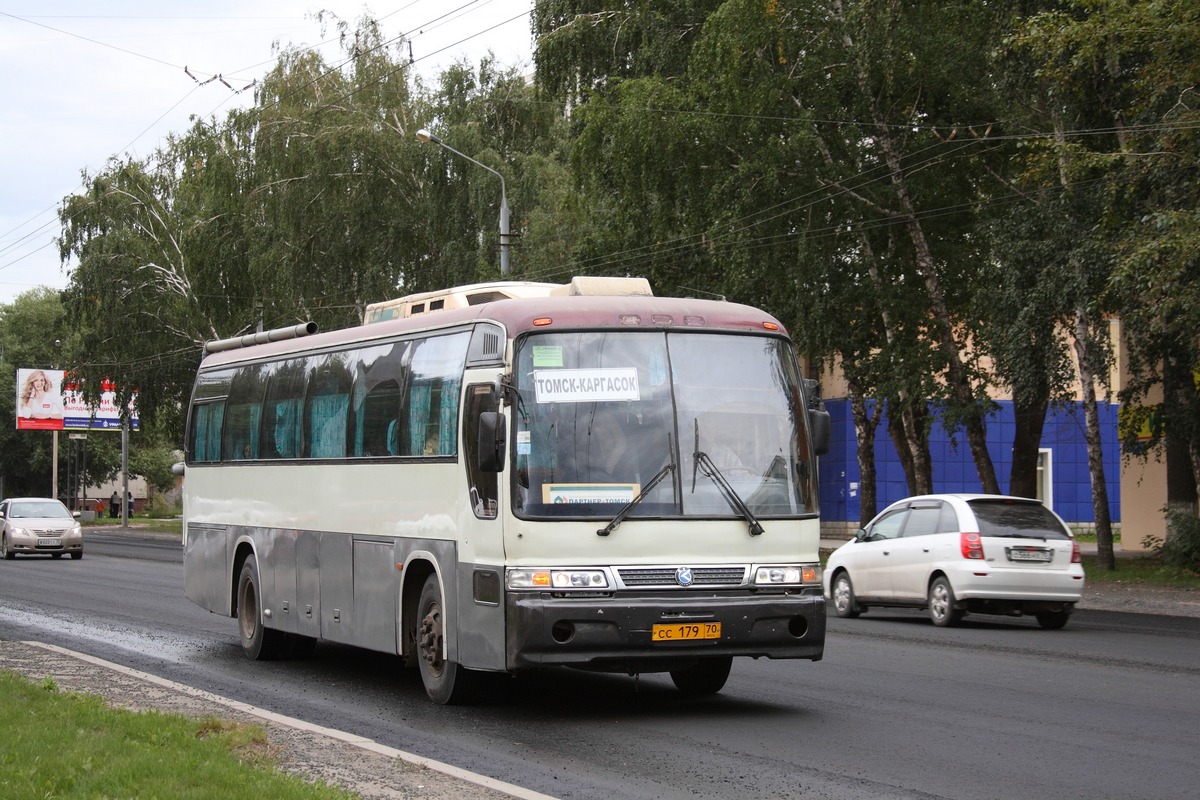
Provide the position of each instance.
(547, 356)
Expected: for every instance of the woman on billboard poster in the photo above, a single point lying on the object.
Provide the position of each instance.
(39, 398)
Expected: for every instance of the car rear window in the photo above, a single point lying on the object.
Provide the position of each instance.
(1008, 518)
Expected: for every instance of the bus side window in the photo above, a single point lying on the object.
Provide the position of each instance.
(377, 399)
(243, 412)
(483, 487)
(206, 431)
(281, 411)
(375, 420)
(393, 438)
(433, 396)
(327, 408)
(433, 417)
(285, 428)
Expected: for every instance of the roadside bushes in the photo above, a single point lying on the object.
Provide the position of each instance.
(1182, 546)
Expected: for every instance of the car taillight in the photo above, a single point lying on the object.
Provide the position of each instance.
(971, 544)
(1076, 556)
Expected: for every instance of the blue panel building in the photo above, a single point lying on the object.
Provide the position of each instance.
(1064, 463)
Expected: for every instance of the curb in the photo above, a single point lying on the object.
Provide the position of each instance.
(491, 785)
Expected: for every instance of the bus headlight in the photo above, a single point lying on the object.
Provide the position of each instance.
(787, 575)
(557, 579)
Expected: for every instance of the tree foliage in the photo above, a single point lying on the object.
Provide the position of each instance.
(308, 205)
(929, 194)
(35, 333)
(1116, 82)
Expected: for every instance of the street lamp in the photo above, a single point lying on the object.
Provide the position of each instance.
(426, 136)
(54, 442)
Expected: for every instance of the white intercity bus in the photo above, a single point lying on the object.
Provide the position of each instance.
(591, 477)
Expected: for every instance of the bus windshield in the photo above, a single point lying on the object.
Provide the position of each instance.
(599, 414)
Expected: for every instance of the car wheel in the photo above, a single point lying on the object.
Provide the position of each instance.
(941, 603)
(76, 555)
(844, 604)
(446, 682)
(707, 676)
(258, 642)
(1053, 620)
(9, 555)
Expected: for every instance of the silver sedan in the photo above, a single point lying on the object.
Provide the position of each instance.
(31, 525)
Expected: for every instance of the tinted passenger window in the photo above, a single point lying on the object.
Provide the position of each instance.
(243, 412)
(282, 410)
(888, 527)
(483, 486)
(949, 520)
(378, 398)
(437, 367)
(206, 431)
(922, 521)
(1006, 518)
(328, 406)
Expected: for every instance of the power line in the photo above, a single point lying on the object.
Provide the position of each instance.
(442, 18)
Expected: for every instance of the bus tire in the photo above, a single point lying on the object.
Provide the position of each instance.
(446, 682)
(706, 676)
(259, 643)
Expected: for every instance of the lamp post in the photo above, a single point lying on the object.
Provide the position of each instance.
(426, 136)
(54, 438)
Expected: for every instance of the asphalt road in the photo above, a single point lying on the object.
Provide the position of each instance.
(996, 709)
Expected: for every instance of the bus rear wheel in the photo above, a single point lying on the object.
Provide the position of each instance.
(259, 643)
(707, 676)
(446, 682)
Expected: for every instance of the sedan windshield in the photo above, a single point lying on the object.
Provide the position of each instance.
(600, 414)
(39, 509)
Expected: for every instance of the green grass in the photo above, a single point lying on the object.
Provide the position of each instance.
(1140, 571)
(141, 522)
(66, 745)
(1089, 535)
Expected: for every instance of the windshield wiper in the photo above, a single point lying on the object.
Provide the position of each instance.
(705, 464)
(655, 481)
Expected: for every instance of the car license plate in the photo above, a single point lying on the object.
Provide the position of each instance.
(686, 631)
(1036, 555)
(49, 542)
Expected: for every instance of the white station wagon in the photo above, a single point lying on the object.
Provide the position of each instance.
(955, 554)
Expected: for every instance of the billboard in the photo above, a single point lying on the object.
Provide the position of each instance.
(47, 400)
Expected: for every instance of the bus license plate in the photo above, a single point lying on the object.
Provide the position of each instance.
(686, 631)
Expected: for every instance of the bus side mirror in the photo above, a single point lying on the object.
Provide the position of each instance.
(818, 426)
(491, 441)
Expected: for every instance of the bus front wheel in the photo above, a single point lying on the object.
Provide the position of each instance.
(446, 682)
(258, 642)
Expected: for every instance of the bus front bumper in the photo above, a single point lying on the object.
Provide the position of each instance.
(618, 632)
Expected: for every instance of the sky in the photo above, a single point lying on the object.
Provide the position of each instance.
(82, 81)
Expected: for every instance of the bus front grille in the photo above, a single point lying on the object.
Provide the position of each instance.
(670, 577)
